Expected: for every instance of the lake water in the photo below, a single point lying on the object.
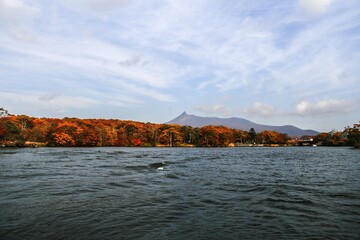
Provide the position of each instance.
(197, 193)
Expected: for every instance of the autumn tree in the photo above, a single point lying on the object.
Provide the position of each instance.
(171, 135)
(3, 131)
(353, 135)
(131, 134)
(39, 130)
(67, 133)
(208, 136)
(332, 138)
(151, 134)
(100, 132)
(25, 124)
(11, 130)
(106, 133)
(225, 136)
(271, 137)
(240, 136)
(322, 138)
(88, 136)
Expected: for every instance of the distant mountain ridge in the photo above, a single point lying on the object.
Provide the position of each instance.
(238, 123)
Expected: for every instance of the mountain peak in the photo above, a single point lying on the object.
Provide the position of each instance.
(181, 119)
(237, 123)
(183, 114)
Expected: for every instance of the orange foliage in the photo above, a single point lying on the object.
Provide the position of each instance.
(63, 139)
(102, 132)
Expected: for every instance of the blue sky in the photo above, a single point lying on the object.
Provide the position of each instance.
(272, 62)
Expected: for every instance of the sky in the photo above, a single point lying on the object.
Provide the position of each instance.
(277, 62)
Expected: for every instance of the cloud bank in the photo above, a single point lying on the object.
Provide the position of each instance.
(261, 109)
(157, 55)
(315, 6)
(323, 107)
(217, 109)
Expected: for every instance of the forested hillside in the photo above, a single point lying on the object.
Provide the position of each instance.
(23, 130)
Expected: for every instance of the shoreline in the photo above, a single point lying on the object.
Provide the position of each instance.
(43, 145)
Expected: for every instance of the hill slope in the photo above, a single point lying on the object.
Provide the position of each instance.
(238, 123)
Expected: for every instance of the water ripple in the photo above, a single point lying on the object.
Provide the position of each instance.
(179, 193)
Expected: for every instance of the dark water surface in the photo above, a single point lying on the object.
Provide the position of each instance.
(216, 193)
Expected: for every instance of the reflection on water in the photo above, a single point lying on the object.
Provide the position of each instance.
(179, 193)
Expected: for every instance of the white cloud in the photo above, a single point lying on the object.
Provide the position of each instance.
(315, 6)
(124, 101)
(98, 5)
(240, 56)
(150, 52)
(24, 100)
(323, 107)
(215, 109)
(248, 54)
(148, 92)
(16, 18)
(16, 12)
(261, 109)
(137, 74)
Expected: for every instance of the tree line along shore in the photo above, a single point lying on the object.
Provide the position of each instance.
(25, 131)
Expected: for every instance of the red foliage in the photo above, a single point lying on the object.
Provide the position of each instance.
(102, 132)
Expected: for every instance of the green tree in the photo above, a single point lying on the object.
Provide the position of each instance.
(189, 134)
(252, 135)
(14, 132)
